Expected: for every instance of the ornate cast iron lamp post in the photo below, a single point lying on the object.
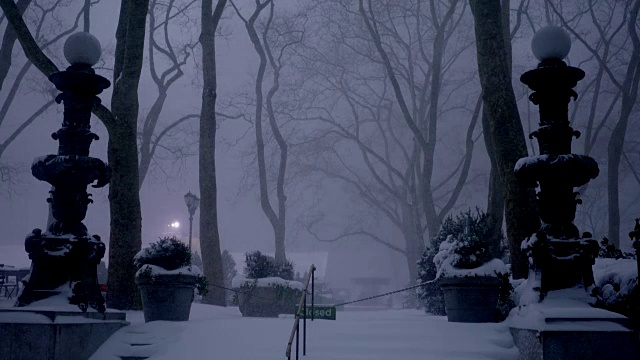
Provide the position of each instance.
(560, 258)
(66, 254)
(192, 202)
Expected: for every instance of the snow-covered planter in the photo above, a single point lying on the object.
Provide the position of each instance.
(267, 289)
(469, 273)
(267, 297)
(167, 280)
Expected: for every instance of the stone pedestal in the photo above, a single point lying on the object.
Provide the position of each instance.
(27, 334)
(575, 344)
(563, 327)
(555, 319)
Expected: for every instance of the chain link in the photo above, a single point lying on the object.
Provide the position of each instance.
(385, 294)
(336, 305)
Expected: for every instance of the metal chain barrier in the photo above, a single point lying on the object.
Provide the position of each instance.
(339, 304)
(385, 294)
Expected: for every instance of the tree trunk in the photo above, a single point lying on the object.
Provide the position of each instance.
(505, 128)
(616, 142)
(616, 147)
(411, 254)
(126, 218)
(413, 249)
(495, 200)
(209, 233)
(151, 120)
(413, 241)
(280, 254)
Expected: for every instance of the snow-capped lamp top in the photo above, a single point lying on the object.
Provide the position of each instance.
(82, 48)
(551, 42)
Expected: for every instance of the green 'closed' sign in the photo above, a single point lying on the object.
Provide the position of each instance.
(320, 312)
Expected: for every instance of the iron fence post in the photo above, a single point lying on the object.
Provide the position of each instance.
(297, 340)
(304, 325)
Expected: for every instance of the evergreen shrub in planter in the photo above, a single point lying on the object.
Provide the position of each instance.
(474, 282)
(167, 279)
(267, 289)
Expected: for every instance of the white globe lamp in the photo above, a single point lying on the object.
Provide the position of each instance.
(551, 42)
(82, 48)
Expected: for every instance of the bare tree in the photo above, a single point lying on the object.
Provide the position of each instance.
(166, 62)
(126, 232)
(271, 43)
(372, 80)
(423, 121)
(209, 233)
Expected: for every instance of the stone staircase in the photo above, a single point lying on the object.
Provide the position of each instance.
(139, 342)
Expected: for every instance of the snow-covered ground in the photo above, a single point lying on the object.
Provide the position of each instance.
(215, 332)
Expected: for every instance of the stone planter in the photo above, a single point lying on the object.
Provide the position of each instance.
(471, 299)
(267, 301)
(258, 302)
(166, 296)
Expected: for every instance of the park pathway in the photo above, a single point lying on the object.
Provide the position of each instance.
(222, 333)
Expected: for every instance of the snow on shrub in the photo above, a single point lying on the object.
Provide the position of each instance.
(168, 253)
(464, 246)
(609, 251)
(430, 294)
(470, 245)
(619, 290)
(263, 271)
(259, 265)
(168, 256)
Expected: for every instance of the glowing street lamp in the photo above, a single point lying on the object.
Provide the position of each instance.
(192, 202)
